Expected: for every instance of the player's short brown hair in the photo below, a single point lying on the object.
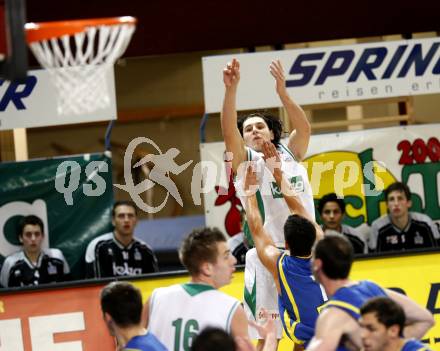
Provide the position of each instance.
(200, 246)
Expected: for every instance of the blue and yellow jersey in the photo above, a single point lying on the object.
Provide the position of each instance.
(300, 299)
(414, 345)
(351, 298)
(147, 342)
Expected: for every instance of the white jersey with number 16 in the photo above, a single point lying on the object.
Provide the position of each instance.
(179, 312)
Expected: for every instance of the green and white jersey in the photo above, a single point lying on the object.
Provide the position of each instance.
(273, 207)
(179, 312)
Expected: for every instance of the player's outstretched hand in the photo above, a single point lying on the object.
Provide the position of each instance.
(231, 74)
(250, 185)
(267, 331)
(272, 158)
(277, 71)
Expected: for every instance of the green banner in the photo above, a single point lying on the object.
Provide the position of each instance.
(72, 195)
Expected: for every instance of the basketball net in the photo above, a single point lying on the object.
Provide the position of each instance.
(78, 60)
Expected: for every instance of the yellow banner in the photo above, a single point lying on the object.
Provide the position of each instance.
(417, 275)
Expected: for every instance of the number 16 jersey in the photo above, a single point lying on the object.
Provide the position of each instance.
(179, 312)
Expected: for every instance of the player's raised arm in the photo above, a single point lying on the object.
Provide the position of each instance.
(231, 135)
(418, 319)
(266, 249)
(300, 136)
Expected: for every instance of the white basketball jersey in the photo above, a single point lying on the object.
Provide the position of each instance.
(179, 312)
(269, 195)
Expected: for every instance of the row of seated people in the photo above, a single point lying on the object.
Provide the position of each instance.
(400, 229)
(119, 253)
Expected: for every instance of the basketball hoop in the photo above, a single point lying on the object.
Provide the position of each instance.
(77, 55)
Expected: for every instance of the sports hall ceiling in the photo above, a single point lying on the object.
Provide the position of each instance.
(193, 25)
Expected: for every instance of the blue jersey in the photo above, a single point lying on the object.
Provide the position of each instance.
(415, 345)
(147, 342)
(300, 299)
(351, 298)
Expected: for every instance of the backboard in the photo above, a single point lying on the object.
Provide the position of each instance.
(13, 47)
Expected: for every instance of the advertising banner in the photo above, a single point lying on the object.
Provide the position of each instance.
(31, 321)
(63, 319)
(38, 102)
(329, 74)
(417, 276)
(356, 165)
(73, 196)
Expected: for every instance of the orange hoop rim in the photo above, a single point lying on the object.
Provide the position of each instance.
(48, 30)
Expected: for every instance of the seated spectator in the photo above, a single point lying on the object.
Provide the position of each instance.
(121, 305)
(401, 229)
(33, 265)
(119, 253)
(382, 323)
(332, 211)
(239, 246)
